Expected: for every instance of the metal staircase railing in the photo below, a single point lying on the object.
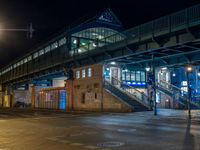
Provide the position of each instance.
(134, 93)
(176, 91)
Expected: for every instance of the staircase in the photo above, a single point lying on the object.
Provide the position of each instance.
(171, 90)
(137, 101)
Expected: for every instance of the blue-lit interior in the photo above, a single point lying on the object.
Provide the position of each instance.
(62, 100)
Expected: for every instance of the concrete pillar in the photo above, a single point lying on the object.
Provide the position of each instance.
(69, 95)
(32, 96)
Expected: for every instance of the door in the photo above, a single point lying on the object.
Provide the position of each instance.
(62, 100)
(114, 76)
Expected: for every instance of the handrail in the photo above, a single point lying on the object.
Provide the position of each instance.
(184, 97)
(138, 95)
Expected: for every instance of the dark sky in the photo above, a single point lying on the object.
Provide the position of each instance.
(52, 15)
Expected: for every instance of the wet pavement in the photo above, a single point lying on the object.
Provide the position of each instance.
(29, 130)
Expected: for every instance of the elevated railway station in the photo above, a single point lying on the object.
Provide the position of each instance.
(99, 66)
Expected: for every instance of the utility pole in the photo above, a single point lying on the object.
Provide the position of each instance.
(189, 69)
(154, 86)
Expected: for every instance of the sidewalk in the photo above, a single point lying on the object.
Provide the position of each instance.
(178, 114)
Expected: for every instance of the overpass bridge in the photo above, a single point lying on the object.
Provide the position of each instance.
(169, 41)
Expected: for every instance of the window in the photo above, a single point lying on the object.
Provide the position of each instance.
(123, 75)
(62, 41)
(128, 77)
(47, 49)
(83, 73)
(89, 72)
(132, 75)
(35, 55)
(137, 75)
(29, 58)
(25, 60)
(77, 74)
(54, 45)
(143, 76)
(41, 52)
(21, 62)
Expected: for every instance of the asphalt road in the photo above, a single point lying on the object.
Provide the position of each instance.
(170, 130)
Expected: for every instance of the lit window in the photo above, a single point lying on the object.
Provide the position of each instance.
(21, 62)
(89, 72)
(47, 49)
(35, 55)
(123, 75)
(54, 45)
(62, 41)
(29, 58)
(128, 77)
(132, 75)
(25, 60)
(83, 73)
(137, 75)
(143, 78)
(41, 52)
(77, 74)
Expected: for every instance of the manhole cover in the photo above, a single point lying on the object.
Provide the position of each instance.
(110, 144)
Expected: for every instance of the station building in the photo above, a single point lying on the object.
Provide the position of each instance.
(107, 86)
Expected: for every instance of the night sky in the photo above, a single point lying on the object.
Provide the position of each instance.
(53, 15)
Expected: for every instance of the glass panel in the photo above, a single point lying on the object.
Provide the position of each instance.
(143, 78)
(62, 41)
(128, 76)
(54, 45)
(41, 52)
(123, 75)
(29, 58)
(137, 75)
(35, 55)
(132, 75)
(47, 49)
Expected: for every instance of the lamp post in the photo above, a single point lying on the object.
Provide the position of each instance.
(189, 70)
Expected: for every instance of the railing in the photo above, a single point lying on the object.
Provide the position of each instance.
(129, 90)
(177, 92)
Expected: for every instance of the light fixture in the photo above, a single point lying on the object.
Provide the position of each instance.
(107, 69)
(79, 50)
(173, 74)
(126, 70)
(113, 63)
(164, 68)
(94, 45)
(189, 69)
(75, 41)
(147, 69)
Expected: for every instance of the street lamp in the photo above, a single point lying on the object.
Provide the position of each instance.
(189, 70)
